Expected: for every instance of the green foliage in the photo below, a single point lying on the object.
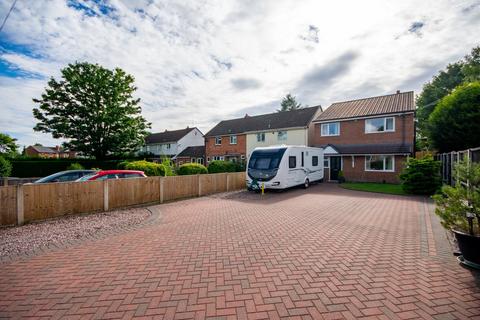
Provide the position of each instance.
(375, 187)
(471, 67)
(289, 103)
(341, 176)
(149, 168)
(218, 166)
(191, 168)
(94, 109)
(454, 202)
(8, 147)
(455, 122)
(75, 166)
(5, 167)
(421, 176)
(169, 166)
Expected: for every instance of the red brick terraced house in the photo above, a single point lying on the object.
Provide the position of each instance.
(368, 139)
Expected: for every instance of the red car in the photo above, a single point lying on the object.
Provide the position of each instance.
(113, 174)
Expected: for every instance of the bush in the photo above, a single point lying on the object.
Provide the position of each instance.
(191, 168)
(5, 167)
(169, 167)
(75, 166)
(218, 166)
(421, 176)
(149, 168)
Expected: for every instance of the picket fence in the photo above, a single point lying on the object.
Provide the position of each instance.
(25, 203)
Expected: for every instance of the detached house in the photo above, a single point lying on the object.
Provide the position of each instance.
(368, 139)
(171, 143)
(235, 139)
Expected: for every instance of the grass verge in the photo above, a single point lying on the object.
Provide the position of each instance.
(374, 187)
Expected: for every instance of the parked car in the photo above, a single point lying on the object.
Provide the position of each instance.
(113, 174)
(65, 176)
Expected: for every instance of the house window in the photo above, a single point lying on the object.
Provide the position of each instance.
(261, 137)
(314, 161)
(208, 159)
(218, 158)
(218, 141)
(330, 129)
(242, 157)
(200, 160)
(380, 125)
(380, 163)
(233, 139)
(326, 163)
(168, 145)
(292, 162)
(282, 135)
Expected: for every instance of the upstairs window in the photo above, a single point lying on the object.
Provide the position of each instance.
(218, 141)
(380, 125)
(282, 135)
(233, 139)
(330, 129)
(261, 137)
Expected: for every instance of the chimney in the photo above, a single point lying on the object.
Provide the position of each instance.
(398, 91)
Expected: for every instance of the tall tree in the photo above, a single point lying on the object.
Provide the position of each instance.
(94, 109)
(455, 122)
(8, 146)
(471, 67)
(289, 103)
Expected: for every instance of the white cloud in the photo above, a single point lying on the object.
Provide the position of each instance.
(196, 62)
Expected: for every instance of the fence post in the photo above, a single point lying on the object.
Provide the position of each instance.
(20, 205)
(199, 185)
(161, 189)
(228, 181)
(5, 181)
(105, 195)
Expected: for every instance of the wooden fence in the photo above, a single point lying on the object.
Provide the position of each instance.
(30, 202)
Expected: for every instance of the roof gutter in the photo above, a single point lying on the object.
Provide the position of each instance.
(380, 115)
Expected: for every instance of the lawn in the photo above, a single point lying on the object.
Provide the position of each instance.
(374, 187)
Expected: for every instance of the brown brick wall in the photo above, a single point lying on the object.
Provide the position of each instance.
(353, 132)
(225, 148)
(358, 173)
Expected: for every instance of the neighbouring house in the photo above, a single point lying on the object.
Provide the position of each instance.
(235, 139)
(194, 154)
(49, 152)
(172, 142)
(368, 139)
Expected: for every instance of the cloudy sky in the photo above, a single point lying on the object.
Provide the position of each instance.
(197, 62)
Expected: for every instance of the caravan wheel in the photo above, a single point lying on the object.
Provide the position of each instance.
(306, 184)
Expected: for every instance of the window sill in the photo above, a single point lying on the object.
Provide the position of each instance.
(387, 131)
(388, 171)
(329, 135)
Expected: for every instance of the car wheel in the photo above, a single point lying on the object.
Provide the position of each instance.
(306, 184)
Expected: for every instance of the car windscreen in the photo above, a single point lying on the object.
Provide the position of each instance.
(266, 159)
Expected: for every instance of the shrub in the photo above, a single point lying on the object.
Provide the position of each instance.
(75, 166)
(5, 167)
(218, 166)
(169, 167)
(191, 168)
(149, 168)
(341, 176)
(421, 176)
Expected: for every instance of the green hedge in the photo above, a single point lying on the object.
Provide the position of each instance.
(149, 168)
(218, 166)
(421, 176)
(191, 168)
(26, 168)
(5, 167)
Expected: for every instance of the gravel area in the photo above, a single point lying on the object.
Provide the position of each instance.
(63, 230)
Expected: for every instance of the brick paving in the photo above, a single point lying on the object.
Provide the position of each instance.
(324, 253)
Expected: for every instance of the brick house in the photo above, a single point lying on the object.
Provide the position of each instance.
(368, 139)
(49, 152)
(235, 139)
(194, 154)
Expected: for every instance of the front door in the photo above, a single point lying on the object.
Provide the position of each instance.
(335, 167)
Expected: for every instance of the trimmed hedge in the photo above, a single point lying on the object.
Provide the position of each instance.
(421, 176)
(5, 167)
(218, 166)
(191, 168)
(149, 168)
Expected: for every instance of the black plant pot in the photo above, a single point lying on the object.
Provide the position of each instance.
(469, 247)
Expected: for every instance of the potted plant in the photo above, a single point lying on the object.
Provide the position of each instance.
(459, 210)
(341, 176)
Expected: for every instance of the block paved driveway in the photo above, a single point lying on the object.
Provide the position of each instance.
(322, 253)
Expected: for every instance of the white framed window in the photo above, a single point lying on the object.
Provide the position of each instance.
(384, 163)
(168, 145)
(261, 137)
(200, 160)
(208, 159)
(326, 163)
(282, 135)
(380, 125)
(218, 141)
(242, 157)
(233, 139)
(330, 129)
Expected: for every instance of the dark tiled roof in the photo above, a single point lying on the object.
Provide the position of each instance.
(380, 148)
(277, 120)
(167, 136)
(195, 152)
(392, 103)
(43, 149)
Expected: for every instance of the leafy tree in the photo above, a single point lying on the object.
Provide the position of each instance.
(455, 122)
(5, 167)
(94, 109)
(289, 103)
(8, 147)
(471, 67)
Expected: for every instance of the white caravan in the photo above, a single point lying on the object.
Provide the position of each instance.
(282, 167)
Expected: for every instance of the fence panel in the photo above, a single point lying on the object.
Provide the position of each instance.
(237, 181)
(127, 192)
(179, 187)
(449, 160)
(43, 201)
(8, 205)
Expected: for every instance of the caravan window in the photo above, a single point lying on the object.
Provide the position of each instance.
(266, 159)
(292, 162)
(314, 161)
